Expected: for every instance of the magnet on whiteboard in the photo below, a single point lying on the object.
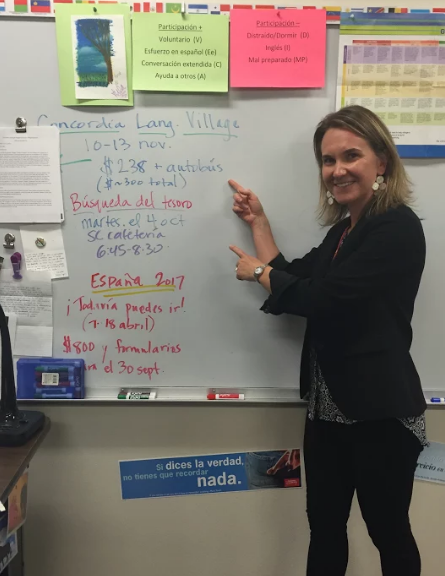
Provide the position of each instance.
(9, 241)
(40, 242)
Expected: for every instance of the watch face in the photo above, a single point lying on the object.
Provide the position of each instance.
(258, 270)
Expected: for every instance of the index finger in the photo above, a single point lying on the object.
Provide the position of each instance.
(237, 251)
(238, 188)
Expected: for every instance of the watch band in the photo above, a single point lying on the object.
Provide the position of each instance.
(258, 275)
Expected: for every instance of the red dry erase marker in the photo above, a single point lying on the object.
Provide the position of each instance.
(225, 396)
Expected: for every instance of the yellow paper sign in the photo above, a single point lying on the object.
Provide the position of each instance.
(180, 53)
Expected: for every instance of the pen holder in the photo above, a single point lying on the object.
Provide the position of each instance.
(51, 378)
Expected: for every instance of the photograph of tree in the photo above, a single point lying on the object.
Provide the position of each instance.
(100, 69)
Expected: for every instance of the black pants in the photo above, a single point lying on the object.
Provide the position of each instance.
(376, 459)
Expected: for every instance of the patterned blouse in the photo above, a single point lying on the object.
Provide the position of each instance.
(321, 405)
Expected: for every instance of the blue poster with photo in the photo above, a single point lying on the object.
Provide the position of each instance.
(234, 472)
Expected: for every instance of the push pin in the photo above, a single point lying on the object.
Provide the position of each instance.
(9, 241)
(40, 242)
(16, 261)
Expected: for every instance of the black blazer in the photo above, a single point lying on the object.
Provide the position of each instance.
(359, 308)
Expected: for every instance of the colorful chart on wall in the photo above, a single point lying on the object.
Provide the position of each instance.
(394, 64)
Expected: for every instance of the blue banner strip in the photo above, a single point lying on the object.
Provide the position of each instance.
(234, 472)
(419, 151)
(391, 19)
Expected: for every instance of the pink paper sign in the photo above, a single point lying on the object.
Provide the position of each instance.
(277, 48)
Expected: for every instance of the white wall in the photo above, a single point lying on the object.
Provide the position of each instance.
(78, 524)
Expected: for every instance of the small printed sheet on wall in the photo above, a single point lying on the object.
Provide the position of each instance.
(431, 463)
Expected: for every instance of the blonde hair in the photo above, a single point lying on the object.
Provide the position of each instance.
(366, 125)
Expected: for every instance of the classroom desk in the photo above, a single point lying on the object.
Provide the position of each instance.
(13, 462)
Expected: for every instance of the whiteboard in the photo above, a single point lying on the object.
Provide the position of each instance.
(207, 334)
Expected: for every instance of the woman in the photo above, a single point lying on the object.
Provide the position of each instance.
(365, 427)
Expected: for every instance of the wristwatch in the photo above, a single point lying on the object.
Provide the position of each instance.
(258, 271)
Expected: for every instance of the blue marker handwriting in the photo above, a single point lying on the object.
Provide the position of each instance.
(107, 183)
(195, 123)
(205, 124)
(138, 219)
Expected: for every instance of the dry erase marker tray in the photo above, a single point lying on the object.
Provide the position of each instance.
(50, 378)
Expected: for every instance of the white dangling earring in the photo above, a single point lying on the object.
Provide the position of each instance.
(379, 184)
(330, 198)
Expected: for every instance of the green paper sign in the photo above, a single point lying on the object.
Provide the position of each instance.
(180, 53)
(65, 51)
